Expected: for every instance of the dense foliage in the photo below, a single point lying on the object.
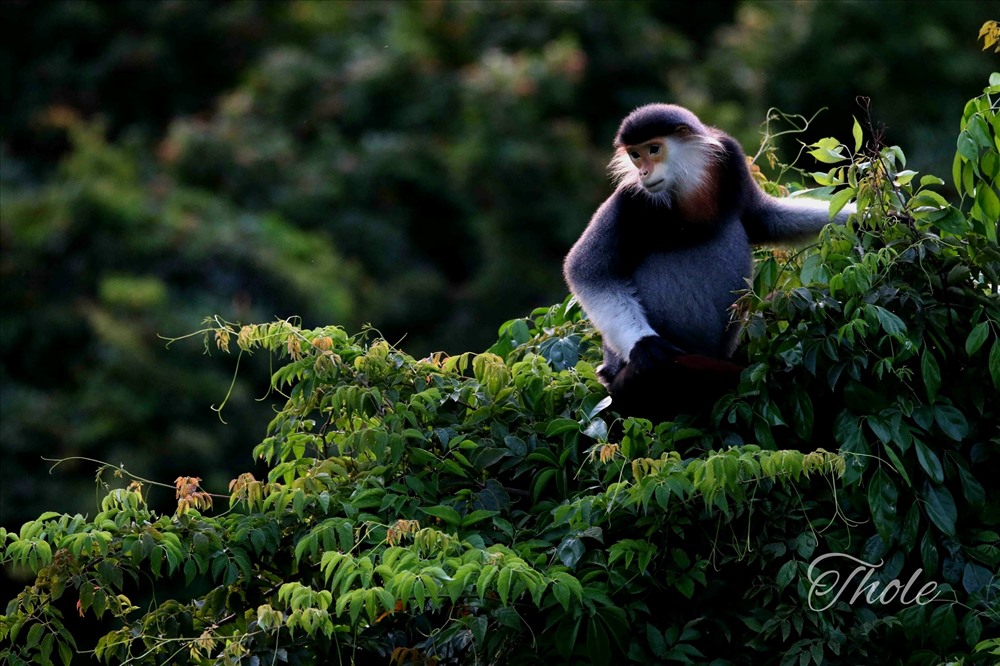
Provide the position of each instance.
(420, 166)
(492, 507)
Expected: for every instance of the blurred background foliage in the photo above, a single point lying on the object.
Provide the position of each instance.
(422, 167)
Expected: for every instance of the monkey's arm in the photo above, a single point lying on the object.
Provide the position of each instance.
(773, 220)
(593, 271)
(768, 219)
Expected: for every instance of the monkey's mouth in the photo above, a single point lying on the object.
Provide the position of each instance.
(655, 186)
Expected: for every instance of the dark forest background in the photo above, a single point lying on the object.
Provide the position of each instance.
(421, 167)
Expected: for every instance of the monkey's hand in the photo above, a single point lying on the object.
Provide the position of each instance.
(652, 352)
(651, 359)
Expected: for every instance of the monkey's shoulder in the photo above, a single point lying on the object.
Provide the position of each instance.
(663, 224)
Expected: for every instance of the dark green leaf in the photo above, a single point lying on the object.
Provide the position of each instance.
(598, 646)
(977, 337)
(477, 516)
(786, 574)
(972, 490)
(988, 202)
(570, 551)
(942, 626)
(994, 363)
(897, 463)
(967, 147)
(929, 554)
(559, 426)
(930, 462)
(931, 373)
(951, 421)
(882, 499)
(908, 535)
(975, 578)
(802, 414)
(657, 645)
(445, 513)
(889, 322)
(940, 507)
(562, 353)
(914, 620)
(950, 220)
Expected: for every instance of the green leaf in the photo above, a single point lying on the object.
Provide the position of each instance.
(685, 586)
(943, 626)
(979, 131)
(786, 574)
(540, 481)
(445, 513)
(950, 220)
(598, 645)
(972, 490)
(65, 654)
(565, 586)
(967, 147)
(889, 322)
(977, 337)
(559, 426)
(478, 516)
(190, 571)
(35, 634)
(883, 498)
(929, 198)
(561, 593)
(597, 430)
(908, 535)
(570, 551)
(940, 507)
(897, 463)
(485, 578)
(657, 645)
(928, 553)
(591, 411)
(504, 583)
(931, 373)
(988, 201)
(930, 462)
(766, 275)
(975, 577)
(994, 363)
(840, 199)
(858, 135)
(562, 353)
(951, 421)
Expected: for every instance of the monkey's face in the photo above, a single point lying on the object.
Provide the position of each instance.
(650, 160)
(667, 168)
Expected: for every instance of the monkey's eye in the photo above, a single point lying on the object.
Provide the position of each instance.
(654, 149)
(634, 154)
